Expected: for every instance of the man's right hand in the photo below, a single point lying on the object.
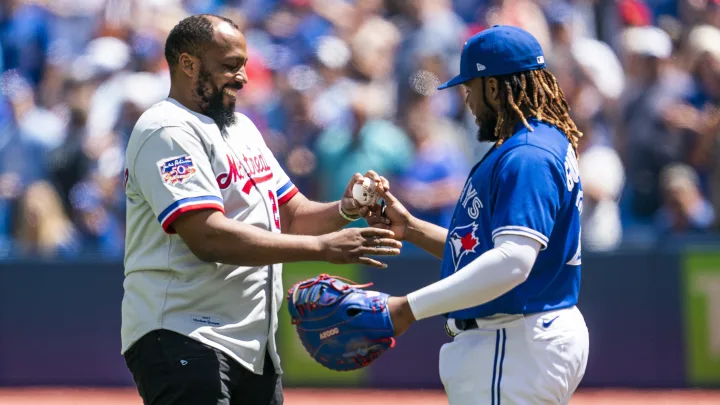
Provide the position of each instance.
(405, 226)
(396, 218)
(353, 245)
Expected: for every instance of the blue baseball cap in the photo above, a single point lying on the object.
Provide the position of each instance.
(500, 50)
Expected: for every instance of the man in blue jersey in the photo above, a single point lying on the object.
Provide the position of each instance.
(511, 256)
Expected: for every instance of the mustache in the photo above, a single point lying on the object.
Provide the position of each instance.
(237, 87)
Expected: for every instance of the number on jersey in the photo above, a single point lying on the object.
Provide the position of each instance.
(276, 212)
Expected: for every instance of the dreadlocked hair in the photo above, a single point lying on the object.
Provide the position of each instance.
(533, 93)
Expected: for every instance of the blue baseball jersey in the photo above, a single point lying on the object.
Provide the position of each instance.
(530, 186)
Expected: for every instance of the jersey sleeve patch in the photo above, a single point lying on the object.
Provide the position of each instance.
(176, 170)
(286, 192)
(174, 210)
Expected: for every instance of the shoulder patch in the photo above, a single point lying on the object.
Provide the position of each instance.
(176, 170)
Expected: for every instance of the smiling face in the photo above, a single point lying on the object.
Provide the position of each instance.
(220, 73)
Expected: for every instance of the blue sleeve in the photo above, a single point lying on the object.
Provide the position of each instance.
(525, 193)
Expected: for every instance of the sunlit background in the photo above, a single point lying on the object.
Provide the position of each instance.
(342, 86)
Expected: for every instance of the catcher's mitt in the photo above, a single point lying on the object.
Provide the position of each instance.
(342, 326)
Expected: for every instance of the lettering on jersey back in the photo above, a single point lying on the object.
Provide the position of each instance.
(253, 170)
(572, 177)
(572, 169)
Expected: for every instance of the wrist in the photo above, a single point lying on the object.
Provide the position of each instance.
(317, 246)
(411, 303)
(412, 230)
(408, 311)
(346, 215)
(401, 314)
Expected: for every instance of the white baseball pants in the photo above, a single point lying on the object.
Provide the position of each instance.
(516, 359)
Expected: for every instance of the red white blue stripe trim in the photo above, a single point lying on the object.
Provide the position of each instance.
(286, 192)
(174, 210)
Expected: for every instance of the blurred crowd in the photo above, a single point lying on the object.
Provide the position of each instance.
(343, 86)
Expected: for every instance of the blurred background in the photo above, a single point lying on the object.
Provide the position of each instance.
(343, 86)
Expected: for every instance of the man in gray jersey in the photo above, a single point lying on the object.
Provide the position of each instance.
(211, 216)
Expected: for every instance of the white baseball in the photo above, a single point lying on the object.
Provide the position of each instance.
(366, 193)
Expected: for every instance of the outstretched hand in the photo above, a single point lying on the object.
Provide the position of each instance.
(353, 245)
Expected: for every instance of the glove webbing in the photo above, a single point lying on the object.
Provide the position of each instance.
(315, 289)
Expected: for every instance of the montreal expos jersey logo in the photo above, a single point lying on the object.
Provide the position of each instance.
(463, 240)
(256, 167)
(177, 169)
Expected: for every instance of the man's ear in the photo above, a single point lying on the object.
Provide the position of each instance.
(188, 64)
(492, 89)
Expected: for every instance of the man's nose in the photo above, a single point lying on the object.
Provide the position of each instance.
(241, 76)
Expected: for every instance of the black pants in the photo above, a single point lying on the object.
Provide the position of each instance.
(173, 369)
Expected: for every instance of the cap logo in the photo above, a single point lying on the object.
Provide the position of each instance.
(480, 67)
(541, 59)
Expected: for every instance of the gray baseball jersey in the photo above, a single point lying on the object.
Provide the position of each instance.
(179, 161)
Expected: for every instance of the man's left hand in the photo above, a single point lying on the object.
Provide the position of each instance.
(349, 205)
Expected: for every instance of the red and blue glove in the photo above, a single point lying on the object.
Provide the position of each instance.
(342, 326)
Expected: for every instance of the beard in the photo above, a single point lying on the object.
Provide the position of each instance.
(212, 101)
(487, 125)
